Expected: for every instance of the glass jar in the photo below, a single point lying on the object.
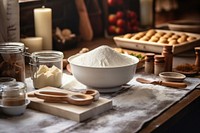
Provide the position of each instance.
(12, 62)
(46, 68)
(4, 81)
(13, 94)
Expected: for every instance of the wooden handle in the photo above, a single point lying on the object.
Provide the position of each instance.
(174, 84)
(51, 95)
(76, 99)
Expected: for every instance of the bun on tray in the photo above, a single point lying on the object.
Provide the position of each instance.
(152, 35)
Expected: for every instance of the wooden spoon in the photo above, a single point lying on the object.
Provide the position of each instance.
(163, 83)
(76, 99)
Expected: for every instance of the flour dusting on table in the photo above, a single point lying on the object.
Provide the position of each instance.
(131, 110)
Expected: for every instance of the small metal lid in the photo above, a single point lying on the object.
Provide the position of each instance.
(4, 80)
(46, 56)
(13, 86)
(12, 47)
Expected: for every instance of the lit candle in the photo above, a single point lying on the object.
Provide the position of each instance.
(33, 43)
(43, 26)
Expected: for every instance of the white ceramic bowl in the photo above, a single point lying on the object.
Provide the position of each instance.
(15, 110)
(103, 77)
(172, 76)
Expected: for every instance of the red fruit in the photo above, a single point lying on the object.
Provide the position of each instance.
(119, 30)
(112, 19)
(120, 2)
(131, 14)
(133, 22)
(111, 29)
(129, 27)
(136, 22)
(119, 14)
(135, 28)
(111, 2)
(121, 23)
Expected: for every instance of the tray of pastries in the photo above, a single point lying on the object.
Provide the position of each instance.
(153, 40)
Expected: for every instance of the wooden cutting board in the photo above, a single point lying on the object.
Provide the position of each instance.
(65, 110)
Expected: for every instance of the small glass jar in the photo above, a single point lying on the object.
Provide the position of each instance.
(47, 68)
(4, 81)
(12, 62)
(13, 94)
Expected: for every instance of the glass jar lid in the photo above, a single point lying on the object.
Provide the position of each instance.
(13, 86)
(49, 56)
(12, 47)
(4, 80)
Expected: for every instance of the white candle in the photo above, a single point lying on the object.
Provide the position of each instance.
(33, 43)
(146, 12)
(43, 26)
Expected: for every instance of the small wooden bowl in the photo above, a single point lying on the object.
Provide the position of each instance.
(172, 76)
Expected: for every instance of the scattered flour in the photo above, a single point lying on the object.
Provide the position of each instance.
(102, 56)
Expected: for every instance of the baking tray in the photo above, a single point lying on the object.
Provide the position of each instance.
(131, 52)
(157, 47)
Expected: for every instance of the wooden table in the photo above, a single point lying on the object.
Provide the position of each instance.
(182, 116)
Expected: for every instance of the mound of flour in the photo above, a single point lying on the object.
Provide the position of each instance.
(102, 56)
